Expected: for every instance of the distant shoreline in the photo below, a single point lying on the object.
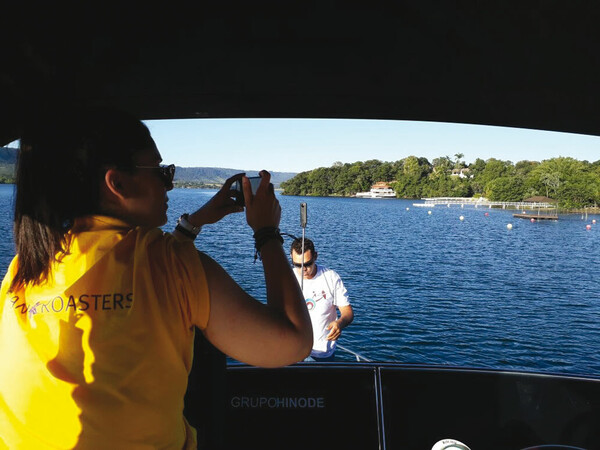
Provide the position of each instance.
(589, 210)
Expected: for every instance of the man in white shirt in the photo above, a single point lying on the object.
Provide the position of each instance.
(324, 292)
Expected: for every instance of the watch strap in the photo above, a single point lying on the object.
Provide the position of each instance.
(186, 228)
(185, 232)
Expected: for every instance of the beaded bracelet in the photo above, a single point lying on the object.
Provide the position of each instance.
(262, 236)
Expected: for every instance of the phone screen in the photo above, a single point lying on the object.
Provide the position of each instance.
(239, 196)
(254, 182)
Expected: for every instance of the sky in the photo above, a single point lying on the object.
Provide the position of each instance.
(297, 145)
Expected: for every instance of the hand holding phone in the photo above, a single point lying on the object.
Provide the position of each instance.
(239, 191)
(263, 209)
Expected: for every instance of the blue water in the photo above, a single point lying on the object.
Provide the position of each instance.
(431, 288)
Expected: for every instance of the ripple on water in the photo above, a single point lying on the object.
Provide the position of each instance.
(431, 288)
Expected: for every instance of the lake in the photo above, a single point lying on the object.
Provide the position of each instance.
(430, 288)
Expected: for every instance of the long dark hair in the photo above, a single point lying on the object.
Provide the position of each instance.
(62, 159)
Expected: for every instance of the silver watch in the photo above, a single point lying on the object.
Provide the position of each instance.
(187, 226)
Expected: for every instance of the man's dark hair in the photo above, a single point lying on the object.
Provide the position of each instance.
(308, 245)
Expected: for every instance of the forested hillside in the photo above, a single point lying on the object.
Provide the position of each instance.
(184, 176)
(573, 183)
(8, 159)
(215, 177)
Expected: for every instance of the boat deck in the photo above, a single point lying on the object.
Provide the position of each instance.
(386, 406)
(536, 216)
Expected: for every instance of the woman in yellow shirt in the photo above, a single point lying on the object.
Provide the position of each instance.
(99, 306)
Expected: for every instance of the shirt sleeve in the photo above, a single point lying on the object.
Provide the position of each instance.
(340, 292)
(194, 287)
(178, 273)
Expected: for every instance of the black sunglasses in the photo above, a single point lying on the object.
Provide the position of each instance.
(306, 264)
(166, 173)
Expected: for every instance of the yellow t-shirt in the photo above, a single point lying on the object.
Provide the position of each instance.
(98, 357)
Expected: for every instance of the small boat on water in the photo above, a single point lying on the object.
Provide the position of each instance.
(378, 190)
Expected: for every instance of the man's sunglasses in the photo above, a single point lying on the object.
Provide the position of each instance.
(166, 173)
(306, 264)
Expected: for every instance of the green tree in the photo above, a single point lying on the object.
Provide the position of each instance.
(561, 178)
(319, 182)
(297, 185)
(410, 179)
(580, 192)
(477, 181)
(551, 180)
(343, 181)
(523, 168)
(506, 189)
(442, 164)
(458, 162)
(573, 183)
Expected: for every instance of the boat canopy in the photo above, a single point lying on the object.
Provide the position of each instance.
(516, 64)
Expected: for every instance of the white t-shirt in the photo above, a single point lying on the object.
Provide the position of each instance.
(323, 293)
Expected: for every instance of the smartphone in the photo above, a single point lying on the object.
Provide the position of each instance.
(239, 192)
